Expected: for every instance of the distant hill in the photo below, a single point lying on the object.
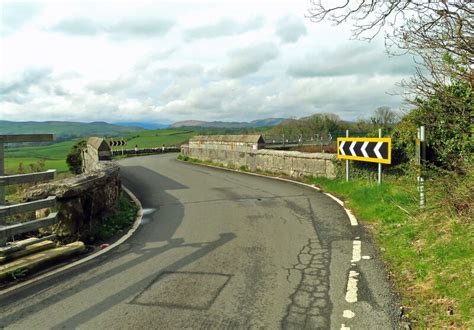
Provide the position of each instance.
(66, 130)
(225, 124)
(142, 124)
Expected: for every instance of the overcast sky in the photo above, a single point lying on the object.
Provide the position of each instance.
(166, 61)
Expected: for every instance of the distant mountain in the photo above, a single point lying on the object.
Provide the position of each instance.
(225, 124)
(66, 130)
(143, 125)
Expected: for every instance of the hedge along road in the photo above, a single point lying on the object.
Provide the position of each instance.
(218, 249)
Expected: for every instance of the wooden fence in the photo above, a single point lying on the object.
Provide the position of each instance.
(8, 231)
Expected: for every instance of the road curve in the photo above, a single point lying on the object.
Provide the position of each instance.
(217, 249)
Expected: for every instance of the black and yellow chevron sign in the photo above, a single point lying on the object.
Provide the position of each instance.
(117, 143)
(375, 150)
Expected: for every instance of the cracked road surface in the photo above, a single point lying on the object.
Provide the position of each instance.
(220, 250)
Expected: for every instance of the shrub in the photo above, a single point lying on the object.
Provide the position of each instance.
(74, 159)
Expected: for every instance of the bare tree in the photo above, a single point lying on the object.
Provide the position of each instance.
(383, 117)
(440, 33)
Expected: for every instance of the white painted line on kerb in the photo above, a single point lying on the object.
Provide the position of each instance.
(338, 201)
(349, 213)
(352, 218)
(351, 294)
(356, 251)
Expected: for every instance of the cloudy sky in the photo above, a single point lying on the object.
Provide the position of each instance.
(165, 61)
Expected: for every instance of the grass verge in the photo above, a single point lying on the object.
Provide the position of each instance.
(429, 253)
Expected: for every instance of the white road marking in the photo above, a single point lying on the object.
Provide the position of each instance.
(338, 201)
(343, 327)
(356, 251)
(366, 257)
(376, 150)
(352, 218)
(364, 152)
(351, 294)
(351, 148)
(341, 146)
(348, 314)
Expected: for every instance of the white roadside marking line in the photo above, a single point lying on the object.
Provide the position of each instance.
(352, 218)
(356, 251)
(338, 201)
(351, 294)
(343, 327)
(348, 314)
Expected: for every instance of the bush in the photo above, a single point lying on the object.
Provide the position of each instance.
(74, 159)
(448, 120)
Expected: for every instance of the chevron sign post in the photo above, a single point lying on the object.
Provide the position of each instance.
(374, 150)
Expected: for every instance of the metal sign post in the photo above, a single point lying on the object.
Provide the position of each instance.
(380, 164)
(421, 158)
(347, 160)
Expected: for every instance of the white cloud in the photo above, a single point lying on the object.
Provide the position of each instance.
(290, 29)
(154, 61)
(224, 27)
(249, 60)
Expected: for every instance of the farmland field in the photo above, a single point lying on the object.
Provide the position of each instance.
(54, 155)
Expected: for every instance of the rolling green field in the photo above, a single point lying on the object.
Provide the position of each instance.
(54, 155)
(156, 138)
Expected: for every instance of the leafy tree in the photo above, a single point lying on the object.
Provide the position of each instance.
(74, 158)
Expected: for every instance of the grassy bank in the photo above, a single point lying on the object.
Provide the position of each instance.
(429, 253)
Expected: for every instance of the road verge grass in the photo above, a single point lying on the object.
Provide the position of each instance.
(429, 253)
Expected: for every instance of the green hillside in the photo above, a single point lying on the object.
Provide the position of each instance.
(156, 138)
(66, 130)
(54, 155)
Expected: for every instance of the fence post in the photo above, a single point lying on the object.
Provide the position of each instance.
(380, 164)
(347, 160)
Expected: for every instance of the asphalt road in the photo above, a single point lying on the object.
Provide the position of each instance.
(220, 250)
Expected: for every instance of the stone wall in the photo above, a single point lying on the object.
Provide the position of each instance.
(292, 163)
(84, 200)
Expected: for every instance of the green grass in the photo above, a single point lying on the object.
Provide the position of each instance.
(156, 138)
(12, 164)
(428, 252)
(55, 154)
